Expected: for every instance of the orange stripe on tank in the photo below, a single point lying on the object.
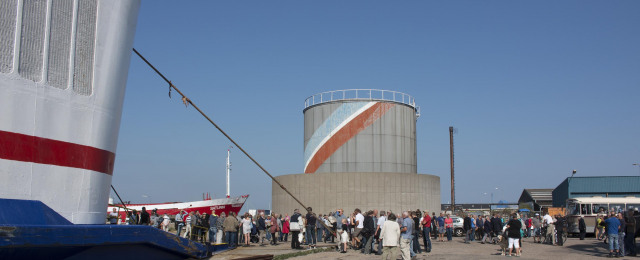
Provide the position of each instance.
(355, 126)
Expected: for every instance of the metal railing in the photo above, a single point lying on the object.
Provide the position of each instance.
(361, 94)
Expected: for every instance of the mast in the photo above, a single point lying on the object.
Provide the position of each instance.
(453, 187)
(228, 172)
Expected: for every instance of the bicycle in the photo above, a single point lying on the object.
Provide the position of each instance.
(547, 238)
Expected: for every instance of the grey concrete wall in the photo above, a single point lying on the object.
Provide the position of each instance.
(365, 190)
(388, 145)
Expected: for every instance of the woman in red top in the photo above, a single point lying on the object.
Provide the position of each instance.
(274, 229)
(285, 228)
(448, 224)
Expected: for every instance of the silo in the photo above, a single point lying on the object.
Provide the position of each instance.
(359, 152)
(360, 131)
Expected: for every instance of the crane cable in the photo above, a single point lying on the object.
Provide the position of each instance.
(188, 101)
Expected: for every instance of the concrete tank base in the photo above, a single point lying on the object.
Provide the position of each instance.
(326, 192)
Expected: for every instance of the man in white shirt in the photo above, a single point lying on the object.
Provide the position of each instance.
(113, 217)
(548, 222)
(188, 225)
(359, 224)
(381, 220)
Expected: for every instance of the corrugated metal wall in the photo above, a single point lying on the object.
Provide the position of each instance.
(387, 144)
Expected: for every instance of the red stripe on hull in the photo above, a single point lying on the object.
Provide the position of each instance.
(27, 148)
(218, 209)
(355, 126)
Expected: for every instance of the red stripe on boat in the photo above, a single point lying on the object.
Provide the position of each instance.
(27, 148)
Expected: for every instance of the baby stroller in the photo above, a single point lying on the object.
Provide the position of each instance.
(254, 237)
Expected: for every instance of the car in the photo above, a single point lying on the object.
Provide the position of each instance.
(458, 226)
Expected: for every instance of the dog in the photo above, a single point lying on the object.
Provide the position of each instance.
(504, 244)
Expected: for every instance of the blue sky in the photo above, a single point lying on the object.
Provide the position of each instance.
(535, 89)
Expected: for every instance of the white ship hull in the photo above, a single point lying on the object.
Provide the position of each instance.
(63, 72)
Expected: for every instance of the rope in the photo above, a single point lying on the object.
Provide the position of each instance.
(188, 102)
(122, 202)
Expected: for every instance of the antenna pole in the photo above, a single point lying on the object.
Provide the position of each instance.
(453, 187)
(228, 173)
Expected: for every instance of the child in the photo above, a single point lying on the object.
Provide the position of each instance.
(344, 236)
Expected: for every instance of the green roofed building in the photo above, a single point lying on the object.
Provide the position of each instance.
(604, 186)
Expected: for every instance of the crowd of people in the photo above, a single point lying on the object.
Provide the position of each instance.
(385, 233)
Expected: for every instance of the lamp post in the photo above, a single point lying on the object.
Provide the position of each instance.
(637, 164)
(569, 183)
(492, 195)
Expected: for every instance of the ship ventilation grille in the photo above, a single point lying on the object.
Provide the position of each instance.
(85, 39)
(66, 53)
(34, 14)
(59, 43)
(8, 12)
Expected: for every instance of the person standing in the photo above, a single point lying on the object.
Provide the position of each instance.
(434, 225)
(426, 231)
(165, 222)
(310, 231)
(334, 226)
(466, 225)
(612, 226)
(262, 228)
(389, 235)
(537, 225)
(358, 224)
(513, 232)
(343, 236)
(405, 236)
(549, 223)
(267, 222)
(441, 228)
(213, 227)
(113, 217)
(496, 226)
(133, 218)
(339, 215)
(621, 233)
(480, 227)
(280, 222)
(381, 221)
(368, 230)
(285, 229)
(560, 225)
(193, 222)
(153, 220)
(274, 229)
(144, 217)
(415, 242)
(294, 226)
(630, 233)
(229, 226)
(319, 228)
(487, 231)
(473, 228)
(529, 226)
(599, 227)
(448, 224)
(220, 226)
(246, 229)
(179, 222)
(187, 222)
(582, 227)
